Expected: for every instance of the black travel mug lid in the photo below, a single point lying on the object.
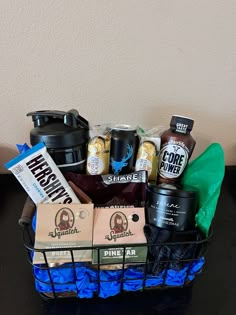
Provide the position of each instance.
(58, 129)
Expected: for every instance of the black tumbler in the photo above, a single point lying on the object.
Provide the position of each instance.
(65, 135)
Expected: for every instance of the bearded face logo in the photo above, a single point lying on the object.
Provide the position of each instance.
(64, 219)
(118, 222)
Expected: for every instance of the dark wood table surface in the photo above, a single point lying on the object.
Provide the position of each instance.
(213, 292)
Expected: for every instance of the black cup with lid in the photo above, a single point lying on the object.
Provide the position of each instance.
(65, 135)
(171, 207)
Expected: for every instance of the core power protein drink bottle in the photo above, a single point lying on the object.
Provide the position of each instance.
(176, 148)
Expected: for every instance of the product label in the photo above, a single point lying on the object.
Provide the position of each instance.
(165, 214)
(180, 127)
(144, 164)
(173, 160)
(122, 227)
(61, 227)
(135, 177)
(174, 213)
(118, 165)
(95, 165)
(40, 176)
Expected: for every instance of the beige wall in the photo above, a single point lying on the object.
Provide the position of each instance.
(120, 61)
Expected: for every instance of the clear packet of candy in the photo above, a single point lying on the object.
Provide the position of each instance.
(148, 151)
(98, 154)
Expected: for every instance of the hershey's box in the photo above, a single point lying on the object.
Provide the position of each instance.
(62, 226)
(115, 227)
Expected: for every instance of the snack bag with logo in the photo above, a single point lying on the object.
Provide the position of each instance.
(112, 191)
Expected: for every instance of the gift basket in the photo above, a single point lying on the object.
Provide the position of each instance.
(89, 281)
(115, 209)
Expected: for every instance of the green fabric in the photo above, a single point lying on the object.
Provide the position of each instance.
(206, 173)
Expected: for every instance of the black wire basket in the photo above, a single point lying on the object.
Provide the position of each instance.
(164, 268)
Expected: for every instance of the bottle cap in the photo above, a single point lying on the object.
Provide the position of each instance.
(181, 123)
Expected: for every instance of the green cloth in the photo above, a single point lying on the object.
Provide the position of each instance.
(206, 173)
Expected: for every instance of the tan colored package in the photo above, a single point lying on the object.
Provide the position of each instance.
(63, 226)
(122, 226)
